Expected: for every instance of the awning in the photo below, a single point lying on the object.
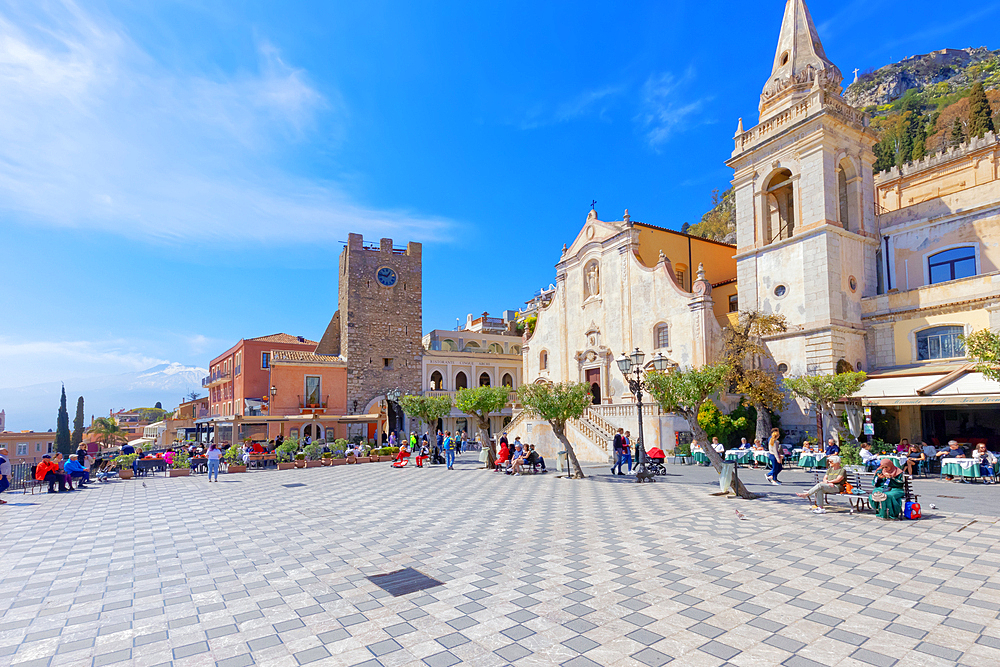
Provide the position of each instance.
(962, 386)
(359, 419)
(140, 441)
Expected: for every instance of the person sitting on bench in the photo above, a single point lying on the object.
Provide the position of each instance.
(502, 456)
(422, 456)
(535, 459)
(834, 481)
(48, 471)
(75, 469)
(517, 460)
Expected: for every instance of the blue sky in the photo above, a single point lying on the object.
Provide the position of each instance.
(177, 175)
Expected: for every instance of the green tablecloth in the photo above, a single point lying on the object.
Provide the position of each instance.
(899, 461)
(761, 457)
(960, 468)
(812, 461)
(741, 455)
(700, 457)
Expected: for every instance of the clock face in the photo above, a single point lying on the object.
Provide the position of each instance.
(386, 276)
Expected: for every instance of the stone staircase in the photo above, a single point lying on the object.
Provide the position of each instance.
(591, 433)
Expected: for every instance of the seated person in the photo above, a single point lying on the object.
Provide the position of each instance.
(832, 448)
(128, 449)
(696, 448)
(516, 459)
(869, 460)
(987, 462)
(502, 456)
(422, 456)
(744, 444)
(807, 447)
(718, 446)
(48, 471)
(76, 469)
(954, 451)
(913, 458)
(930, 454)
(834, 481)
(888, 480)
(58, 459)
(402, 456)
(535, 459)
(903, 447)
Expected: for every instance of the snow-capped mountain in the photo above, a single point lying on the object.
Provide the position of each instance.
(35, 407)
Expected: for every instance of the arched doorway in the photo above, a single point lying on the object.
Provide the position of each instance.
(595, 393)
(314, 431)
(484, 379)
(461, 381)
(437, 381)
(594, 380)
(507, 381)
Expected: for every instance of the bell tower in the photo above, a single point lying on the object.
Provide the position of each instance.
(805, 218)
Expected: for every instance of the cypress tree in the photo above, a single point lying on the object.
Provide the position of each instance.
(78, 423)
(980, 113)
(63, 444)
(957, 133)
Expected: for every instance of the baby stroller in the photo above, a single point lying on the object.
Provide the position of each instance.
(655, 458)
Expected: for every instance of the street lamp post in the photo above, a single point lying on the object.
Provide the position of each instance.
(631, 368)
(392, 396)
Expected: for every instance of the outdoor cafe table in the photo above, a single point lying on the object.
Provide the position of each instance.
(700, 457)
(898, 461)
(738, 455)
(143, 466)
(812, 461)
(261, 460)
(966, 468)
(198, 463)
(761, 457)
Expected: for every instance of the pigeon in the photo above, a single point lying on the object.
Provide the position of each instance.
(741, 515)
(144, 485)
(933, 506)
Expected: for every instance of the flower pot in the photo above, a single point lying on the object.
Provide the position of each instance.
(233, 468)
(338, 462)
(351, 459)
(179, 472)
(300, 464)
(285, 465)
(125, 473)
(326, 462)
(314, 464)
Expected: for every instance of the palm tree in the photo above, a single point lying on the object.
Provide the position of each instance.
(109, 431)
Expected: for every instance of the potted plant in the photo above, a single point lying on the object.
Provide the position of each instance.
(337, 457)
(313, 453)
(125, 463)
(234, 460)
(300, 460)
(684, 451)
(327, 458)
(285, 452)
(181, 465)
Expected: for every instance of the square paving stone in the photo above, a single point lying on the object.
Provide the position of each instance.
(581, 661)
(651, 657)
(873, 658)
(695, 614)
(719, 650)
(113, 657)
(847, 637)
(644, 636)
(939, 651)
(353, 619)
(452, 640)
(706, 630)
(442, 659)
(244, 660)
(580, 644)
(579, 609)
(221, 631)
(512, 652)
(311, 655)
(262, 643)
(190, 649)
(518, 632)
(579, 625)
(399, 629)
(784, 643)
(384, 647)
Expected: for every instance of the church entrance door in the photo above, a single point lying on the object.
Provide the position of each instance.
(594, 380)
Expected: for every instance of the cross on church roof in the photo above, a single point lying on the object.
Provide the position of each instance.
(593, 204)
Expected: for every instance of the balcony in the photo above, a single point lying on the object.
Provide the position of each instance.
(511, 398)
(310, 404)
(973, 288)
(216, 378)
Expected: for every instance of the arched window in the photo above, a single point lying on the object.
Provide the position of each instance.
(661, 337)
(496, 348)
(951, 264)
(515, 349)
(507, 381)
(448, 345)
(484, 379)
(543, 360)
(472, 346)
(461, 382)
(437, 381)
(844, 366)
(940, 343)
(779, 220)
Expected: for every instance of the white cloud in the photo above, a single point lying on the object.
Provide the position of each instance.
(95, 134)
(664, 109)
(33, 362)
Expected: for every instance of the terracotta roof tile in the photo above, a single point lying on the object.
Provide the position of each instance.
(282, 338)
(303, 356)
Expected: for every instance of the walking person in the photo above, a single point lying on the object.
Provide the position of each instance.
(214, 455)
(774, 456)
(627, 450)
(618, 445)
(4, 472)
(449, 450)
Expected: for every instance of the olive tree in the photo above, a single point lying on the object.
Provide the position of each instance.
(480, 403)
(557, 404)
(983, 347)
(427, 409)
(684, 392)
(743, 351)
(823, 391)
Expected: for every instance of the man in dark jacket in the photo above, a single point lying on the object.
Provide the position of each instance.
(619, 451)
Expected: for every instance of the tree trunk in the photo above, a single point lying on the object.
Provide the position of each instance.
(763, 423)
(713, 456)
(560, 432)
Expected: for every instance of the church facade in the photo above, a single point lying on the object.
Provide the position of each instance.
(876, 272)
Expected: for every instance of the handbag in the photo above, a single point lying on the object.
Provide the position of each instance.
(879, 496)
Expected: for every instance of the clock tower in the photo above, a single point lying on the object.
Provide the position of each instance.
(378, 324)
